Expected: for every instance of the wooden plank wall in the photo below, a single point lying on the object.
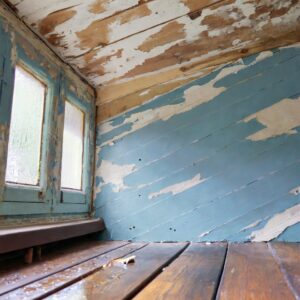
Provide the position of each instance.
(217, 159)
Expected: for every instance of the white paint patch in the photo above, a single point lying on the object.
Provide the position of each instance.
(263, 55)
(204, 234)
(114, 174)
(252, 225)
(144, 93)
(236, 42)
(295, 191)
(179, 187)
(277, 224)
(280, 118)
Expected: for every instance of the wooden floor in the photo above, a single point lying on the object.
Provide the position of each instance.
(97, 270)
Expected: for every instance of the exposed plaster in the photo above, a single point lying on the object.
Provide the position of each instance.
(277, 224)
(281, 118)
(114, 174)
(178, 187)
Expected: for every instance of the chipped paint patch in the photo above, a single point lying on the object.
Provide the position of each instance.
(194, 96)
(114, 174)
(179, 187)
(252, 225)
(204, 234)
(295, 191)
(277, 224)
(280, 118)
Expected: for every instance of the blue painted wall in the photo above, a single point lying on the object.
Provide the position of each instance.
(217, 159)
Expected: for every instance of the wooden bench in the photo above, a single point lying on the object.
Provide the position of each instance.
(18, 238)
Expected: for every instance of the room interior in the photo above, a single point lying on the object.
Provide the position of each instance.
(149, 149)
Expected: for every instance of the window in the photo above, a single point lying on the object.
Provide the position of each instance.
(25, 135)
(73, 143)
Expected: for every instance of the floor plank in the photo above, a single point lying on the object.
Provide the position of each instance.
(16, 274)
(119, 282)
(251, 273)
(288, 257)
(58, 281)
(194, 274)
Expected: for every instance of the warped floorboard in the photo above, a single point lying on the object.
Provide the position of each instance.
(98, 270)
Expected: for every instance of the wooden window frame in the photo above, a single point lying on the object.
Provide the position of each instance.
(15, 192)
(80, 196)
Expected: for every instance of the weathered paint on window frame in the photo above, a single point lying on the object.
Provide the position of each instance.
(19, 47)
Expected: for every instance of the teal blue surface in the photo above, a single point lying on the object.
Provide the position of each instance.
(246, 182)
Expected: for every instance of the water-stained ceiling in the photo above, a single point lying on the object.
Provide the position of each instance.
(134, 50)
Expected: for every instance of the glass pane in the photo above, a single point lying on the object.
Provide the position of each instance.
(25, 135)
(72, 155)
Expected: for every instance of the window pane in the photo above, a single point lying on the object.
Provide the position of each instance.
(25, 135)
(72, 155)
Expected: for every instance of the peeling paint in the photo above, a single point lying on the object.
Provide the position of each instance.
(114, 174)
(125, 42)
(252, 225)
(194, 96)
(204, 93)
(204, 234)
(277, 224)
(247, 183)
(280, 118)
(135, 62)
(178, 187)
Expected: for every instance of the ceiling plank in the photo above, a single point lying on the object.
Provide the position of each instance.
(221, 28)
(75, 27)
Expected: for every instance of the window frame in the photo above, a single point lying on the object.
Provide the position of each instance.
(83, 196)
(15, 192)
(14, 49)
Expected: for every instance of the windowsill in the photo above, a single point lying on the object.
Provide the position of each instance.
(23, 186)
(64, 190)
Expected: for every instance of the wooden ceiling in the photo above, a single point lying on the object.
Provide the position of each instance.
(134, 50)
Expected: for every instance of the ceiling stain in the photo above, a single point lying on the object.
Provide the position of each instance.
(48, 24)
(172, 31)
